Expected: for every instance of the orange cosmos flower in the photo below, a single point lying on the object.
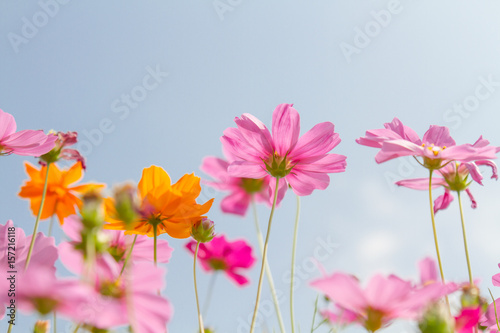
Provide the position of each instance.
(171, 208)
(61, 198)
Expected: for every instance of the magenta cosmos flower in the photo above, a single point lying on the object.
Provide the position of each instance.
(303, 162)
(242, 190)
(118, 246)
(381, 301)
(436, 148)
(454, 177)
(221, 255)
(26, 143)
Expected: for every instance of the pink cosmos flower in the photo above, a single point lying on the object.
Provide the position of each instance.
(489, 319)
(26, 142)
(44, 254)
(39, 290)
(454, 177)
(118, 245)
(230, 257)
(303, 162)
(436, 148)
(131, 299)
(242, 190)
(381, 301)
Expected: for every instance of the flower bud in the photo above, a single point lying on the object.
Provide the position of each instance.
(92, 210)
(41, 326)
(203, 230)
(436, 320)
(60, 152)
(470, 297)
(126, 205)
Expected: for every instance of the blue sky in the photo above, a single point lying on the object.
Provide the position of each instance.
(157, 82)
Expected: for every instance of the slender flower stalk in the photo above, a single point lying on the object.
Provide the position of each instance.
(129, 254)
(264, 257)
(269, 275)
(208, 298)
(431, 203)
(495, 307)
(55, 323)
(294, 248)
(465, 239)
(77, 328)
(200, 319)
(51, 225)
(155, 235)
(35, 230)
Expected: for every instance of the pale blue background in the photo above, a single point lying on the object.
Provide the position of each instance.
(429, 57)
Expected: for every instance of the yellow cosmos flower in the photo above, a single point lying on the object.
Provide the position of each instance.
(61, 197)
(168, 208)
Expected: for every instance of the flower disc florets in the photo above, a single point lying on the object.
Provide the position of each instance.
(278, 166)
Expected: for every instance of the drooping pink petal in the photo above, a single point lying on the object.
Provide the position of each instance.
(471, 197)
(238, 278)
(304, 182)
(438, 136)
(421, 183)
(286, 128)
(443, 201)
(492, 165)
(474, 172)
(467, 153)
(282, 188)
(489, 319)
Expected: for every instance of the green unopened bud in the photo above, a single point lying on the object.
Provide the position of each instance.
(470, 297)
(92, 210)
(126, 205)
(41, 326)
(436, 320)
(203, 230)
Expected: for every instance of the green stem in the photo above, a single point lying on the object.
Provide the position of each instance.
(51, 224)
(155, 233)
(431, 203)
(269, 275)
(55, 323)
(200, 319)
(209, 293)
(33, 237)
(465, 239)
(495, 307)
(264, 257)
(294, 248)
(314, 313)
(77, 328)
(129, 254)
(10, 327)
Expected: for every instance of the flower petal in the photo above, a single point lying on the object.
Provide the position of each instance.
(318, 141)
(421, 183)
(443, 201)
(7, 124)
(304, 182)
(286, 128)
(236, 203)
(246, 169)
(439, 136)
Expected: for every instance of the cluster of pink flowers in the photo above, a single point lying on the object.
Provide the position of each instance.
(119, 274)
